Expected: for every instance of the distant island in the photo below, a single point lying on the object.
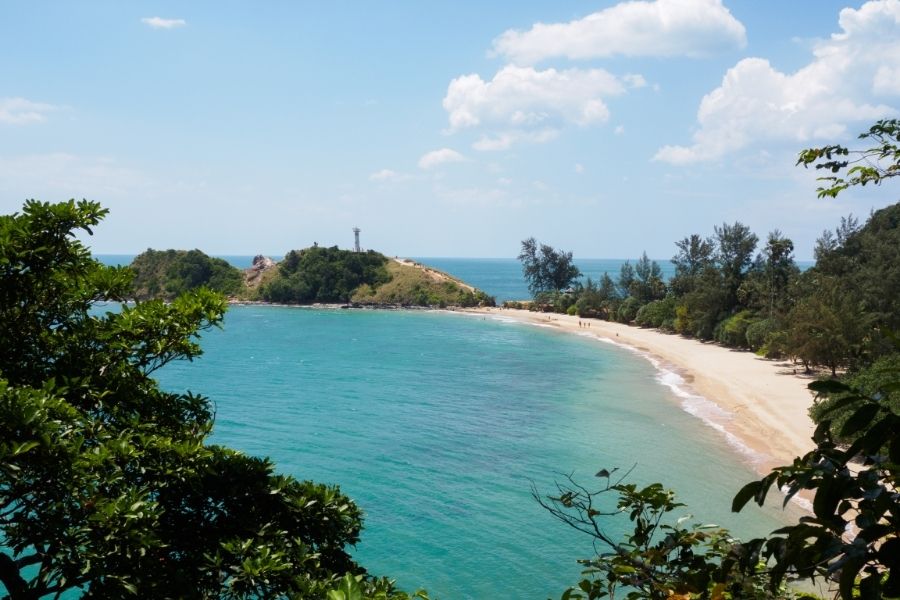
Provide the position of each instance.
(314, 275)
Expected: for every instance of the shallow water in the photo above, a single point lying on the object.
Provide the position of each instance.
(437, 424)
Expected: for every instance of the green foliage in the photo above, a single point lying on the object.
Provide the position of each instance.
(627, 310)
(597, 300)
(700, 310)
(662, 558)
(327, 275)
(546, 269)
(874, 381)
(762, 335)
(871, 165)
(418, 285)
(695, 254)
(658, 313)
(733, 330)
(107, 484)
(648, 284)
(168, 273)
(826, 326)
(734, 253)
(855, 487)
(865, 262)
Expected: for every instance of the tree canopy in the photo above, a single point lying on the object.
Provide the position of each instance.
(546, 269)
(108, 484)
(168, 273)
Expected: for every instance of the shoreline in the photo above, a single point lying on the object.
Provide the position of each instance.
(759, 405)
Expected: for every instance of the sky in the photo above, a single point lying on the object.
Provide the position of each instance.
(441, 128)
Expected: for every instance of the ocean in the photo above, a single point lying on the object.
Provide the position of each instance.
(440, 425)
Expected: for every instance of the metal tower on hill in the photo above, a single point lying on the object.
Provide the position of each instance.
(356, 235)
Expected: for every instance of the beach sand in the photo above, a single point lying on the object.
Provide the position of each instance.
(766, 400)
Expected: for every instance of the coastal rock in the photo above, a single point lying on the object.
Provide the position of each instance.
(253, 276)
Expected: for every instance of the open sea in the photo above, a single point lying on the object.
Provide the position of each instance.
(439, 424)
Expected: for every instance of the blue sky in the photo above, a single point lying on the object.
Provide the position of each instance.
(440, 128)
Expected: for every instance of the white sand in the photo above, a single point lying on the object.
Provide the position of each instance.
(767, 400)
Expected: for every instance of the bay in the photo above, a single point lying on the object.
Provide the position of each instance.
(439, 425)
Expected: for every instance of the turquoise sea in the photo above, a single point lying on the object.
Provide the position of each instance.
(438, 424)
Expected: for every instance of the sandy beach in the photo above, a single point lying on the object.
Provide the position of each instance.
(766, 400)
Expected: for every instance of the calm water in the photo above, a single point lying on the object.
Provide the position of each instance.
(437, 424)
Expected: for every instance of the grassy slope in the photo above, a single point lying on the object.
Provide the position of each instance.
(417, 285)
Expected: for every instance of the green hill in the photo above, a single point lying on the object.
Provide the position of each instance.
(167, 273)
(326, 275)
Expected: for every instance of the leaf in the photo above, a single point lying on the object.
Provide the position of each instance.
(828, 386)
(744, 495)
(862, 417)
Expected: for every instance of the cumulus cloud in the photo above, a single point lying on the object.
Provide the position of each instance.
(852, 77)
(19, 111)
(638, 28)
(526, 104)
(438, 157)
(160, 23)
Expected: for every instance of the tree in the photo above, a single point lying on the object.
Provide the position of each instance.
(648, 284)
(546, 269)
(107, 483)
(694, 255)
(870, 165)
(626, 279)
(734, 254)
(660, 559)
(860, 497)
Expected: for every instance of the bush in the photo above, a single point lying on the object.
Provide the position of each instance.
(659, 313)
(733, 330)
(758, 331)
(628, 310)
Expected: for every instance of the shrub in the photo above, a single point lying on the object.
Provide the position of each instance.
(733, 330)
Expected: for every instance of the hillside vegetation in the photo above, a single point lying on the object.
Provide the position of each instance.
(312, 275)
(166, 274)
(413, 284)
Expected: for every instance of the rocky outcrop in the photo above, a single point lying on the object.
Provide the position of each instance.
(254, 275)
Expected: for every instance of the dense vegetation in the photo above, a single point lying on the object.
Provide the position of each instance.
(842, 313)
(108, 485)
(327, 275)
(309, 276)
(169, 273)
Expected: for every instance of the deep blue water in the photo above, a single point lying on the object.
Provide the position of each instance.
(437, 424)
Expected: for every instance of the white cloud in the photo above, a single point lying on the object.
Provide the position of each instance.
(388, 175)
(504, 140)
(160, 23)
(439, 157)
(523, 96)
(633, 80)
(851, 77)
(526, 104)
(638, 28)
(619, 130)
(579, 168)
(19, 111)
